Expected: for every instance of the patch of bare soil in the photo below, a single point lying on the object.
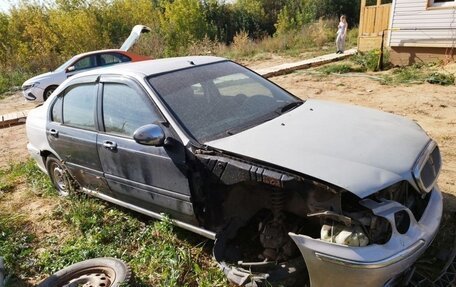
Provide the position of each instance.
(432, 106)
(13, 145)
(15, 103)
(36, 209)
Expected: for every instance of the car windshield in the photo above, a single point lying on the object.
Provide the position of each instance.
(220, 99)
(64, 65)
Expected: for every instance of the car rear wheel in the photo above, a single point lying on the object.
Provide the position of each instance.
(49, 90)
(59, 176)
(106, 272)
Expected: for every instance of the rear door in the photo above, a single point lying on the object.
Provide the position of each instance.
(151, 177)
(72, 132)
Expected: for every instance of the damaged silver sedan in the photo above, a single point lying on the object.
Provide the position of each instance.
(293, 192)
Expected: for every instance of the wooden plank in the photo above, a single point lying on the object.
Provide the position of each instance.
(305, 64)
(13, 119)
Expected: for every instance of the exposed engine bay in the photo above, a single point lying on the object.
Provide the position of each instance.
(253, 209)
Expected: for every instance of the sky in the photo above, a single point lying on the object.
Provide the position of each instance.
(6, 4)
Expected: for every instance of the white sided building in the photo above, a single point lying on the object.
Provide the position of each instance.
(414, 30)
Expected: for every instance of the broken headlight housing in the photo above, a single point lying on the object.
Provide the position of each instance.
(427, 168)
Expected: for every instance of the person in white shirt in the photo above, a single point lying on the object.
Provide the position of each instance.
(341, 33)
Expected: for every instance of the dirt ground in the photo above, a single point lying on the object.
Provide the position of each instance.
(15, 103)
(432, 106)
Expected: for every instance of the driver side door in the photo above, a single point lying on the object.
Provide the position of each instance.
(151, 177)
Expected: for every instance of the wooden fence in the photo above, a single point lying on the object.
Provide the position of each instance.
(374, 20)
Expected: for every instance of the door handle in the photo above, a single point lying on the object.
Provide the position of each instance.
(110, 145)
(54, 132)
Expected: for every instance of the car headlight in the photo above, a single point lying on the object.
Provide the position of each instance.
(28, 86)
(427, 168)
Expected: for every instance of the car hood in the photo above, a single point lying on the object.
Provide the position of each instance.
(134, 36)
(358, 149)
(38, 78)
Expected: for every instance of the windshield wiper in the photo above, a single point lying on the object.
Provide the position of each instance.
(288, 107)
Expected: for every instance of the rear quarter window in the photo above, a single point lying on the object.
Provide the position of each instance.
(79, 105)
(56, 111)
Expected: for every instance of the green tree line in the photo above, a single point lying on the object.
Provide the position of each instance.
(37, 37)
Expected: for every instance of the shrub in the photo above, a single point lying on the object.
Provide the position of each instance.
(11, 80)
(339, 69)
(370, 60)
(440, 79)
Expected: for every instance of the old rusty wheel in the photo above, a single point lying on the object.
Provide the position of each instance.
(98, 272)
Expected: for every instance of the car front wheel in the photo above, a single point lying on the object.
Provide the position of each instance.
(49, 90)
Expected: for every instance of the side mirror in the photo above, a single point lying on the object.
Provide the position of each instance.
(151, 134)
(70, 69)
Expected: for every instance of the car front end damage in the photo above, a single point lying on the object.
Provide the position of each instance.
(285, 229)
(376, 264)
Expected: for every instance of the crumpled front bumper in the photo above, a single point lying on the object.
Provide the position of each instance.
(331, 264)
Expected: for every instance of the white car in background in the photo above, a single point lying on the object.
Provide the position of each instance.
(40, 87)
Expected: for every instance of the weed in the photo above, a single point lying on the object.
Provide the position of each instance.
(440, 79)
(11, 80)
(416, 74)
(369, 61)
(10, 177)
(158, 253)
(339, 69)
(15, 246)
(311, 37)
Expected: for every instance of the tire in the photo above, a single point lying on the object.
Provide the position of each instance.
(48, 92)
(59, 176)
(107, 272)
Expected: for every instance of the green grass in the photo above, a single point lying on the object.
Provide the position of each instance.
(15, 247)
(341, 68)
(418, 74)
(16, 173)
(158, 253)
(370, 61)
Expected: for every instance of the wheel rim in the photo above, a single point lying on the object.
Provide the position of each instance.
(48, 93)
(90, 277)
(60, 179)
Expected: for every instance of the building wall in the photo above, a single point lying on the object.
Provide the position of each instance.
(404, 56)
(422, 26)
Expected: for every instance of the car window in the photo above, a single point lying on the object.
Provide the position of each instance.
(220, 99)
(56, 113)
(125, 109)
(112, 58)
(79, 106)
(85, 63)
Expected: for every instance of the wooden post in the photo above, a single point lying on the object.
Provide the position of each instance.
(379, 2)
(361, 21)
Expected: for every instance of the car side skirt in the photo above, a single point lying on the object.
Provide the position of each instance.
(197, 230)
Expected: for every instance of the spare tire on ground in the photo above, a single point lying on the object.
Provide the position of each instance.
(97, 272)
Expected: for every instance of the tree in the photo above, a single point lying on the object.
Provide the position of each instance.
(181, 23)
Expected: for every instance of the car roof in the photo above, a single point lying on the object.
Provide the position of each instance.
(156, 66)
(99, 51)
